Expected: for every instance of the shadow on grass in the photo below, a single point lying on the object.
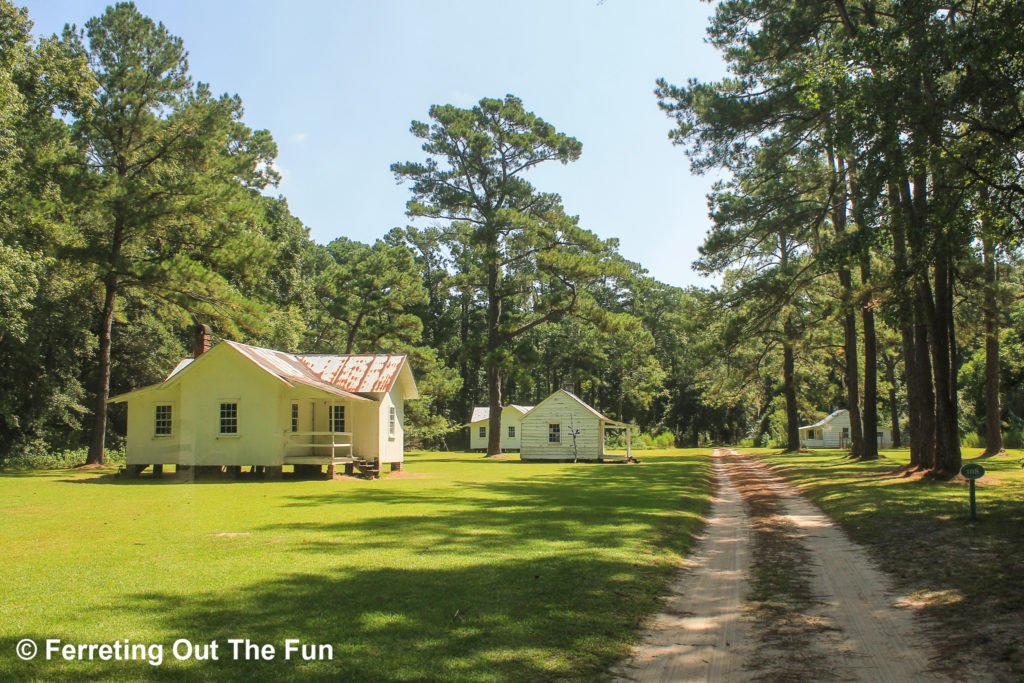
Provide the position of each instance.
(525, 578)
(966, 574)
(505, 621)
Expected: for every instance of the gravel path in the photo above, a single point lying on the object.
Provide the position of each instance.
(706, 631)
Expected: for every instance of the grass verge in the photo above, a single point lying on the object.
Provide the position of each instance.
(463, 568)
(964, 575)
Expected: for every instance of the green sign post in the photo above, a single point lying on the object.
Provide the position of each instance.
(972, 471)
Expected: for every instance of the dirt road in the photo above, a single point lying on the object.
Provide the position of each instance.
(775, 591)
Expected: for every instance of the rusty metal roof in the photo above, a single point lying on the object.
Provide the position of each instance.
(341, 374)
(344, 375)
(363, 373)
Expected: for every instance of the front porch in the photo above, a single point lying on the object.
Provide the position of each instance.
(606, 426)
(330, 450)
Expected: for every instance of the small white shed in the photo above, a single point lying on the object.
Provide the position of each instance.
(511, 431)
(563, 428)
(834, 432)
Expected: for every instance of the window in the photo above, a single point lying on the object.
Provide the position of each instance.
(483, 432)
(295, 417)
(511, 432)
(392, 421)
(337, 418)
(846, 432)
(228, 418)
(162, 423)
(554, 432)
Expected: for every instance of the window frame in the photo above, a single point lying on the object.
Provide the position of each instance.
(392, 422)
(482, 434)
(156, 420)
(333, 419)
(511, 431)
(295, 416)
(555, 433)
(221, 417)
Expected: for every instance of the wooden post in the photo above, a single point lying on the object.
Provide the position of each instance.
(272, 472)
(158, 471)
(350, 469)
(330, 471)
(629, 441)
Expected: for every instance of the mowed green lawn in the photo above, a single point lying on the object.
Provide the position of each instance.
(864, 496)
(462, 569)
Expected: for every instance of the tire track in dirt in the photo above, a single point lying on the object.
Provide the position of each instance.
(701, 630)
(708, 632)
(864, 635)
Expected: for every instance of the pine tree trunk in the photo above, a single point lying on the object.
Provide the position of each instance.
(906, 314)
(849, 318)
(494, 411)
(789, 390)
(97, 454)
(947, 442)
(925, 399)
(493, 362)
(870, 413)
(925, 430)
(993, 416)
(913, 391)
(894, 409)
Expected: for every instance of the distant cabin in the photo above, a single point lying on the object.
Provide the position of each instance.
(511, 430)
(834, 432)
(547, 431)
(237, 405)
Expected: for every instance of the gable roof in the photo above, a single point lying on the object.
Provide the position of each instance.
(344, 375)
(576, 398)
(481, 413)
(825, 420)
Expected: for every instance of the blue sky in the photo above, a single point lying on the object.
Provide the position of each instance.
(337, 84)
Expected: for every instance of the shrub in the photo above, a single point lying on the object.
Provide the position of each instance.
(973, 440)
(641, 442)
(41, 459)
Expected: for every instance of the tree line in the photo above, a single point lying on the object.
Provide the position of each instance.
(865, 241)
(872, 152)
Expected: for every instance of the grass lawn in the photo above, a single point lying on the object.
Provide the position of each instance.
(966, 575)
(463, 569)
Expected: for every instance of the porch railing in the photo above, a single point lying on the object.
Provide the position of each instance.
(340, 443)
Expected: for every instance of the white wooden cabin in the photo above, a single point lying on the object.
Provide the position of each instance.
(548, 431)
(511, 429)
(834, 432)
(238, 405)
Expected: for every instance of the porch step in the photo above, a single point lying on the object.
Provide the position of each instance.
(370, 469)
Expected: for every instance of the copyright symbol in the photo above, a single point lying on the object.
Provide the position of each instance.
(26, 649)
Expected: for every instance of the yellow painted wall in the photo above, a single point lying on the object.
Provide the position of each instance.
(510, 417)
(142, 445)
(392, 446)
(264, 417)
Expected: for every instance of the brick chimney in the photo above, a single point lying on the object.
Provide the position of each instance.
(201, 340)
